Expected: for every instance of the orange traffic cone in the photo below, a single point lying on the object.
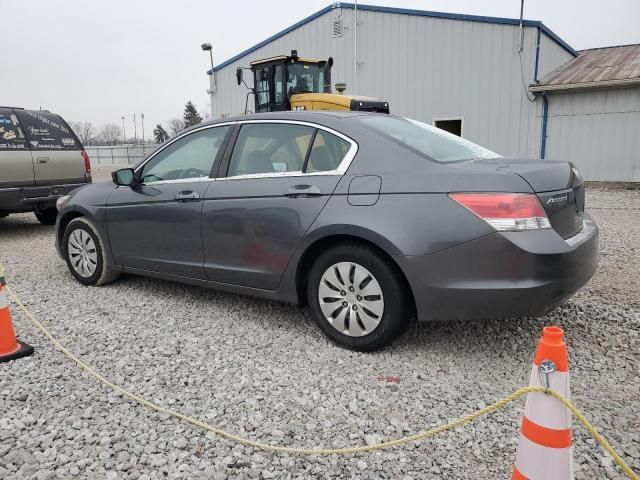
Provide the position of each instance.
(544, 450)
(10, 348)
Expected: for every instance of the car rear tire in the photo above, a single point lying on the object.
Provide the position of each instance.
(83, 250)
(47, 216)
(358, 297)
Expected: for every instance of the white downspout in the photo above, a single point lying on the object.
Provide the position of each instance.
(212, 89)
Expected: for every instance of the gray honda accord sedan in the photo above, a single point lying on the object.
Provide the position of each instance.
(369, 219)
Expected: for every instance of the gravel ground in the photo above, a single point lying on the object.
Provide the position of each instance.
(263, 370)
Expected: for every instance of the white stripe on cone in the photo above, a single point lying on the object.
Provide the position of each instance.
(545, 410)
(543, 463)
(3, 298)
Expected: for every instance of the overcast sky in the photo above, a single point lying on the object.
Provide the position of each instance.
(99, 60)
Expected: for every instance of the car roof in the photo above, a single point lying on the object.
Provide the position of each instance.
(295, 115)
(323, 117)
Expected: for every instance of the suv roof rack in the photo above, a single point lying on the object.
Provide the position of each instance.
(14, 108)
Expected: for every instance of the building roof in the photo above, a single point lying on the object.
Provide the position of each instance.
(596, 68)
(400, 11)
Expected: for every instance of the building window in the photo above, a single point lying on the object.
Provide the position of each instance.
(451, 125)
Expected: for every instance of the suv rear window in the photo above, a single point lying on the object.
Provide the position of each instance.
(11, 135)
(47, 131)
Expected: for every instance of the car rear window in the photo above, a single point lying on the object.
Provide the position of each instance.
(428, 141)
(11, 135)
(47, 131)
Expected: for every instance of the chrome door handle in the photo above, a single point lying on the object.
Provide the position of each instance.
(187, 196)
(43, 159)
(298, 191)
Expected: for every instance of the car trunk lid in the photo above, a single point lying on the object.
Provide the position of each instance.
(558, 185)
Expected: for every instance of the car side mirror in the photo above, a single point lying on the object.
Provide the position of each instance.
(124, 177)
(239, 75)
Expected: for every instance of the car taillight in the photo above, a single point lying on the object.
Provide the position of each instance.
(87, 163)
(506, 211)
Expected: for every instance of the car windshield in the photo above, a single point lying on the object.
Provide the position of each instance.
(432, 142)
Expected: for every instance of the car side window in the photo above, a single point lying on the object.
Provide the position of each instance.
(11, 135)
(47, 131)
(189, 157)
(327, 152)
(270, 148)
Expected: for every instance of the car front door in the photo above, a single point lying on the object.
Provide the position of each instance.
(271, 187)
(156, 225)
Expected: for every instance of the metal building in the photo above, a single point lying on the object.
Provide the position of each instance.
(477, 71)
(591, 113)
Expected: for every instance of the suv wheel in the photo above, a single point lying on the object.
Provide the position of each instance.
(358, 297)
(84, 253)
(47, 216)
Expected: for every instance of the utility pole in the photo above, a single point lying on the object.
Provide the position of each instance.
(135, 130)
(355, 42)
(142, 120)
(521, 46)
(124, 132)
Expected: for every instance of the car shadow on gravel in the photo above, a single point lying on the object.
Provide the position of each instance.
(489, 332)
(476, 335)
(19, 225)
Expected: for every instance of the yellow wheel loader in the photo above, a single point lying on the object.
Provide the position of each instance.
(295, 83)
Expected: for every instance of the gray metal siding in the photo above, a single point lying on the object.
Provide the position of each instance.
(427, 68)
(552, 56)
(312, 40)
(599, 131)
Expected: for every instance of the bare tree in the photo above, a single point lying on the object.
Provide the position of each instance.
(110, 133)
(176, 125)
(205, 115)
(85, 132)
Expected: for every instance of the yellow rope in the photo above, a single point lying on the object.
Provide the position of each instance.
(324, 451)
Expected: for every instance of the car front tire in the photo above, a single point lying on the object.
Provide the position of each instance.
(358, 297)
(83, 250)
(47, 216)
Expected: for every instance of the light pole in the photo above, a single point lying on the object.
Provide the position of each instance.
(124, 133)
(135, 130)
(206, 47)
(142, 120)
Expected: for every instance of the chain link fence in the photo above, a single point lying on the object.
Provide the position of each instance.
(119, 154)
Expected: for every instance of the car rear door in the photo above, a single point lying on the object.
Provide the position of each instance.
(156, 225)
(271, 187)
(57, 152)
(16, 162)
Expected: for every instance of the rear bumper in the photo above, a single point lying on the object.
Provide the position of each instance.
(24, 199)
(510, 274)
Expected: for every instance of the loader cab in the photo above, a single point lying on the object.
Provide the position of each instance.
(295, 83)
(276, 79)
